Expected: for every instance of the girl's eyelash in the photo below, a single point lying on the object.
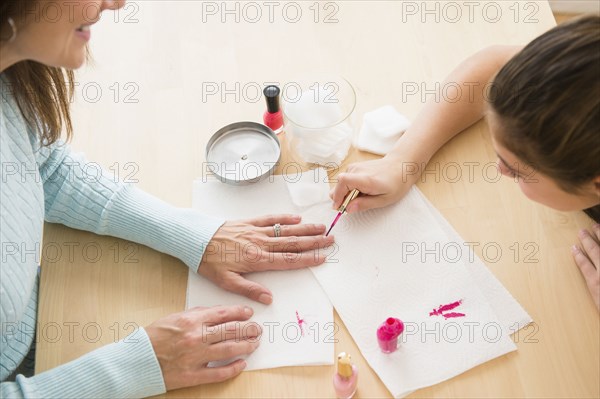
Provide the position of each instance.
(509, 171)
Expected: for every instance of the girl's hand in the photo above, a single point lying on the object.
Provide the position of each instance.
(186, 342)
(251, 246)
(381, 182)
(587, 258)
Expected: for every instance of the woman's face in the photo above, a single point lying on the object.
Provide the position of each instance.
(56, 33)
(537, 186)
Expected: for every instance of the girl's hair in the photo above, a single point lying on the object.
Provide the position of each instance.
(43, 93)
(547, 98)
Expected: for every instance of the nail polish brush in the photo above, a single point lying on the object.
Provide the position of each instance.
(342, 209)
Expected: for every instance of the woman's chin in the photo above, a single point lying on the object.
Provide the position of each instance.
(74, 61)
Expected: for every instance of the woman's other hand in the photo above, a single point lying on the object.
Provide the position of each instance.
(185, 342)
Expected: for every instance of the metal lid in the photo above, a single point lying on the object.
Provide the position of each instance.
(242, 153)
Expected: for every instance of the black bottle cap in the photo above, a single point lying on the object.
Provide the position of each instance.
(272, 95)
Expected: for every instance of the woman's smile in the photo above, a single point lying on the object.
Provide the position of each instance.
(84, 32)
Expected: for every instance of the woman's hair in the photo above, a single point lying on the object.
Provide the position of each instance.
(43, 93)
(547, 99)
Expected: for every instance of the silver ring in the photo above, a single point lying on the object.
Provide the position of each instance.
(277, 229)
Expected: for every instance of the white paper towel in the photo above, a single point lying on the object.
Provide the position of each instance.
(283, 342)
(400, 261)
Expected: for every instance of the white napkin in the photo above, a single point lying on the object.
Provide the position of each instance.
(283, 342)
(399, 261)
(505, 306)
(380, 130)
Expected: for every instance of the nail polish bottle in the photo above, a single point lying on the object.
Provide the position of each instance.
(346, 377)
(388, 333)
(273, 117)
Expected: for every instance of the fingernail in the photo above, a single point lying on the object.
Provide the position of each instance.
(244, 364)
(248, 310)
(574, 249)
(296, 217)
(582, 233)
(265, 298)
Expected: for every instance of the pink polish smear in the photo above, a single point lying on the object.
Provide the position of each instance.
(334, 223)
(300, 322)
(442, 310)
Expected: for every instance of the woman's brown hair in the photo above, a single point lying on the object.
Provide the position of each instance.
(43, 93)
(547, 99)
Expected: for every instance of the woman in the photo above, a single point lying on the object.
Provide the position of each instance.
(42, 179)
(544, 116)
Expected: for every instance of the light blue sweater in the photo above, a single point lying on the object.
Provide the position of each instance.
(49, 182)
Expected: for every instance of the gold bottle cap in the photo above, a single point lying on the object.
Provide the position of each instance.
(344, 365)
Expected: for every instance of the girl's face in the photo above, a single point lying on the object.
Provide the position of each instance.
(56, 33)
(537, 186)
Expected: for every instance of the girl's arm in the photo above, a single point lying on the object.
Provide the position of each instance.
(386, 180)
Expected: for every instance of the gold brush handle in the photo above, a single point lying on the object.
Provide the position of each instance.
(351, 195)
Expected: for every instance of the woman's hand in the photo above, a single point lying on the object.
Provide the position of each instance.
(251, 246)
(186, 342)
(381, 182)
(587, 258)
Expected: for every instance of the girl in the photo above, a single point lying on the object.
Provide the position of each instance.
(544, 115)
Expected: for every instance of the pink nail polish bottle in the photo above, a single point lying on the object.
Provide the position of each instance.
(273, 117)
(346, 377)
(388, 333)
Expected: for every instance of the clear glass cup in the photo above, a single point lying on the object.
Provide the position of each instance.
(319, 120)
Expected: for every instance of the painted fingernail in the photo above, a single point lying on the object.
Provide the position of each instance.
(248, 310)
(265, 298)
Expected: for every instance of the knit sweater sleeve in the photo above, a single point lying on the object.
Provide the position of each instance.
(81, 195)
(125, 369)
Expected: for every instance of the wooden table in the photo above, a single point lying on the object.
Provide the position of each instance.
(169, 74)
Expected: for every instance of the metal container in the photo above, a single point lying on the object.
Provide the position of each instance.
(243, 153)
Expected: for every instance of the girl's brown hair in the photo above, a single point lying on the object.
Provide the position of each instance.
(547, 99)
(43, 93)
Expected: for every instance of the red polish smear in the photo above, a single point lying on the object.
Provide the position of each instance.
(444, 308)
(300, 321)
